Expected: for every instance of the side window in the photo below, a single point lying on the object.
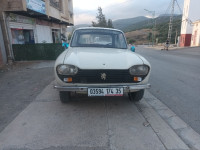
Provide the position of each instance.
(119, 41)
(116, 41)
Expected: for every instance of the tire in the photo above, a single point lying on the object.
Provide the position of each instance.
(136, 96)
(64, 96)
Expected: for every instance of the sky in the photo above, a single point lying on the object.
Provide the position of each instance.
(85, 11)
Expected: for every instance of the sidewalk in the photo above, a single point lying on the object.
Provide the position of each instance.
(103, 123)
(21, 65)
(20, 84)
(156, 47)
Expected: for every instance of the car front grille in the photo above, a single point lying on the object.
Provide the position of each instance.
(101, 76)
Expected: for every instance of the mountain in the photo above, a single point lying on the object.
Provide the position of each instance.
(132, 24)
(149, 23)
(122, 24)
(136, 31)
(139, 29)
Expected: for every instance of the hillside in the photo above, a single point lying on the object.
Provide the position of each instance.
(162, 23)
(149, 23)
(139, 29)
(138, 36)
(122, 24)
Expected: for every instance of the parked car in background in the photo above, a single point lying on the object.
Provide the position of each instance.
(99, 63)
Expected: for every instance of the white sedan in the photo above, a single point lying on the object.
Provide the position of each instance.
(99, 63)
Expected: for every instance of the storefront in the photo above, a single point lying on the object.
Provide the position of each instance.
(25, 30)
(43, 34)
(22, 29)
(47, 32)
(56, 35)
(22, 36)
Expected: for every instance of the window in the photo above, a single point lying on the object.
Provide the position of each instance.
(98, 38)
(56, 35)
(22, 36)
(56, 4)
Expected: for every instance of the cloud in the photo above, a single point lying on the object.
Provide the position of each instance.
(94, 4)
(83, 19)
(118, 9)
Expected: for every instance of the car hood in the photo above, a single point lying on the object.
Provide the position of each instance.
(101, 58)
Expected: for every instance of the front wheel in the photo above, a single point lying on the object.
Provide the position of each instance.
(64, 96)
(136, 96)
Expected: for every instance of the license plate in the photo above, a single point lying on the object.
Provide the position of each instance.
(105, 91)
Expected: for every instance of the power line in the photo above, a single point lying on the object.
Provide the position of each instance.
(179, 7)
(171, 21)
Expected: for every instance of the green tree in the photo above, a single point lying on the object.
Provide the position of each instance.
(131, 41)
(101, 20)
(110, 24)
(150, 36)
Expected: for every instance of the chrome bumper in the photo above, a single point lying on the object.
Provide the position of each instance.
(127, 88)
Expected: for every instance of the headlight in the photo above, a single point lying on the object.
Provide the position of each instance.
(67, 69)
(139, 70)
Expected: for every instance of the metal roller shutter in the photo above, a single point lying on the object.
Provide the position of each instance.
(44, 34)
(21, 25)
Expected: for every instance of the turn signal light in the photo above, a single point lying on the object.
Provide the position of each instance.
(138, 79)
(67, 79)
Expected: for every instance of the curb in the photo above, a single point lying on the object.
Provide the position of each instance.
(183, 130)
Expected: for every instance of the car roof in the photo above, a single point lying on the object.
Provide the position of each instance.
(97, 28)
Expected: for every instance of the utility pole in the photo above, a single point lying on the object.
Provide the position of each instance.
(153, 29)
(171, 22)
(176, 36)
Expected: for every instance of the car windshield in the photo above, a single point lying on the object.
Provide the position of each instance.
(98, 38)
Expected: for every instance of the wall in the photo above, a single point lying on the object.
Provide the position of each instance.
(15, 5)
(185, 25)
(191, 13)
(63, 13)
(185, 40)
(37, 51)
(196, 34)
(53, 12)
(3, 58)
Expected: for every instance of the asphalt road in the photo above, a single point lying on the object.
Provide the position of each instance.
(175, 80)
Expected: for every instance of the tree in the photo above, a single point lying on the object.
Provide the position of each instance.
(131, 41)
(110, 24)
(101, 20)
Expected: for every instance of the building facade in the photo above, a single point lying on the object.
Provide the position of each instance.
(191, 13)
(34, 21)
(3, 58)
(196, 34)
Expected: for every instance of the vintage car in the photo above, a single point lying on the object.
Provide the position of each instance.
(99, 63)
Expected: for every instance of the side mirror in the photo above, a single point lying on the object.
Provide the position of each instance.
(65, 45)
(133, 48)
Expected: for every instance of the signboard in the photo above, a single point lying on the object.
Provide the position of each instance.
(21, 19)
(36, 5)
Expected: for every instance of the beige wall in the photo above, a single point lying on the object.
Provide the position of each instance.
(55, 13)
(196, 34)
(13, 5)
(62, 14)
